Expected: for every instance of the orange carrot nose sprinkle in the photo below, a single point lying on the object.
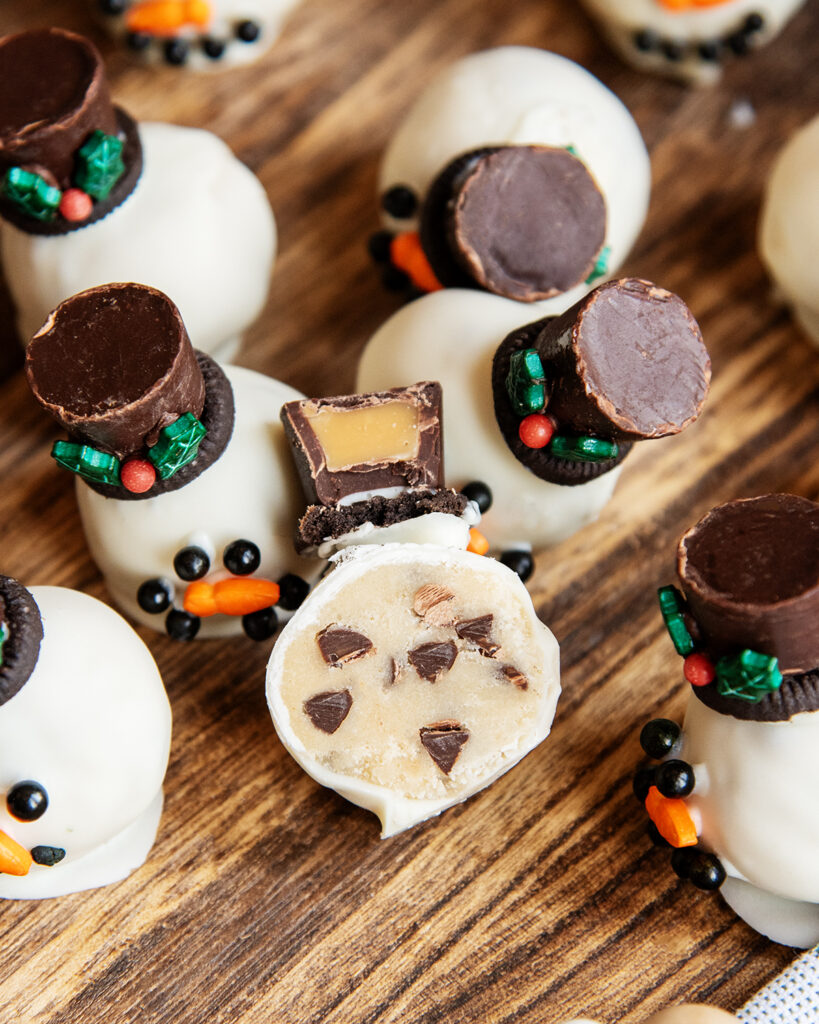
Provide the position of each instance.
(672, 819)
(238, 595)
(406, 254)
(684, 5)
(14, 858)
(477, 542)
(164, 17)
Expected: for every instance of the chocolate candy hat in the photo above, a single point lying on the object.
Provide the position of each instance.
(749, 623)
(67, 155)
(145, 412)
(571, 393)
(527, 222)
(372, 458)
(21, 631)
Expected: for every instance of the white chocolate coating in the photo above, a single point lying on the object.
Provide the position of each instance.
(451, 336)
(789, 226)
(92, 725)
(250, 493)
(269, 15)
(433, 528)
(198, 226)
(375, 757)
(623, 19)
(521, 95)
(758, 804)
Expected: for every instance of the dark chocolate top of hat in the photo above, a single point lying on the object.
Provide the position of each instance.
(750, 573)
(23, 627)
(53, 96)
(527, 222)
(114, 365)
(625, 363)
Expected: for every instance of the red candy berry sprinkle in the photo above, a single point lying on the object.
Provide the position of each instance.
(699, 670)
(76, 205)
(137, 476)
(536, 430)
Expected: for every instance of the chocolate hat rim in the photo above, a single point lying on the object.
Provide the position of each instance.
(436, 229)
(124, 188)
(26, 635)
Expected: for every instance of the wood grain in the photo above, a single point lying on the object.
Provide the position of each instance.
(269, 899)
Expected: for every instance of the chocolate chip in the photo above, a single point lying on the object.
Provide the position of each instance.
(477, 631)
(338, 645)
(433, 603)
(514, 675)
(443, 742)
(431, 659)
(328, 710)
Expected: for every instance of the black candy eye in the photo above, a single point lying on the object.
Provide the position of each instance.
(191, 563)
(292, 591)
(154, 596)
(242, 557)
(27, 801)
(400, 202)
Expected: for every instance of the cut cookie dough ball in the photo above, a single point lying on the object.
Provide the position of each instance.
(690, 39)
(198, 35)
(498, 134)
(734, 792)
(412, 678)
(789, 226)
(184, 215)
(601, 382)
(85, 731)
(185, 486)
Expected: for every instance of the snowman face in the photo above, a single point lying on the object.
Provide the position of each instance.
(84, 744)
(196, 553)
(207, 33)
(520, 96)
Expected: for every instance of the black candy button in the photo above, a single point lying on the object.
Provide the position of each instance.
(292, 591)
(260, 625)
(154, 596)
(710, 50)
(642, 782)
(400, 202)
(176, 52)
(478, 492)
(394, 280)
(213, 48)
(673, 50)
(138, 41)
(180, 625)
(675, 779)
(27, 801)
(660, 737)
(242, 557)
(191, 563)
(379, 246)
(681, 862)
(705, 871)
(112, 6)
(520, 562)
(654, 835)
(248, 31)
(754, 23)
(646, 41)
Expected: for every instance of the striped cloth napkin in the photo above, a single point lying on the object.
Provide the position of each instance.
(791, 998)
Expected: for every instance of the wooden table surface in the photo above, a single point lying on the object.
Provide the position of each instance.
(268, 899)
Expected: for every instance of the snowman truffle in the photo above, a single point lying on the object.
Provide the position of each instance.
(734, 791)
(496, 136)
(415, 673)
(87, 196)
(184, 484)
(198, 34)
(542, 415)
(85, 730)
(789, 226)
(690, 39)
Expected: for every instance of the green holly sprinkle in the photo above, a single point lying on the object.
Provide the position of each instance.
(601, 266)
(99, 164)
(748, 676)
(526, 382)
(95, 466)
(178, 445)
(32, 193)
(672, 607)
(583, 449)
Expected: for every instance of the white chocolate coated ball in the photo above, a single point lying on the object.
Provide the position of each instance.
(789, 226)
(92, 726)
(250, 493)
(518, 95)
(198, 226)
(451, 336)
